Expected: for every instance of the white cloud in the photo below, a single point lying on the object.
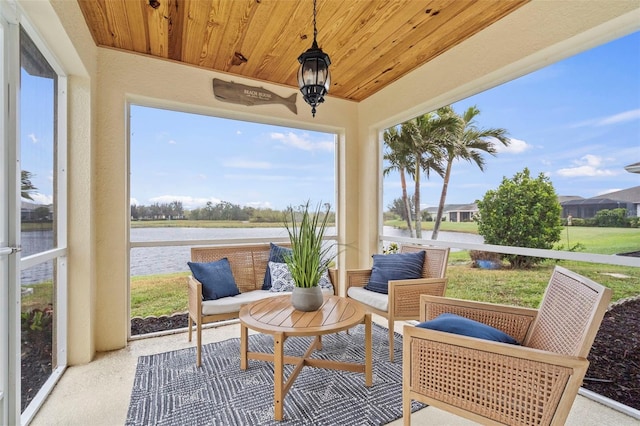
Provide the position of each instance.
(634, 114)
(589, 165)
(133, 201)
(260, 204)
(42, 198)
(607, 191)
(591, 160)
(301, 142)
(33, 137)
(172, 142)
(621, 117)
(516, 146)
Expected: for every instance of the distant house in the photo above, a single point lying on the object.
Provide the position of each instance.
(456, 212)
(586, 208)
(30, 212)
(461, 212)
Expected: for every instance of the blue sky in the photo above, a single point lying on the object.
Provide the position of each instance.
(577, 121)
(37, 137)
(195, 159)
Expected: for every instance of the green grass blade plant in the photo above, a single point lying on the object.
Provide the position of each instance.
(309, 257)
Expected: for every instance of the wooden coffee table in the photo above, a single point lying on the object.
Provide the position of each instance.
(277, 317)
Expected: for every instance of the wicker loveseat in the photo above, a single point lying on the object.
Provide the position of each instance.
(248, 265)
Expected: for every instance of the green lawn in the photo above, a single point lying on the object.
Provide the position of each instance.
(155, 295)
(525, 288)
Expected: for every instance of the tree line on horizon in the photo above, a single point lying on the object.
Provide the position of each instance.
(222, 210)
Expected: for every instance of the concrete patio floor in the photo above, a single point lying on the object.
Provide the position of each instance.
(98, 393)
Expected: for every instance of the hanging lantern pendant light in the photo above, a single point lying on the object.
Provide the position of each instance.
(314, 77)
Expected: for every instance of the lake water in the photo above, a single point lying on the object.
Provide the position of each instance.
(160, 260)
(156, 260)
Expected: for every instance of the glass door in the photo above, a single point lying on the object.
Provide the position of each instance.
(5, 249)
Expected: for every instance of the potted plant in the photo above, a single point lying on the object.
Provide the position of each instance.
(309, 258)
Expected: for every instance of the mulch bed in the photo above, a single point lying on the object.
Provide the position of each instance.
(35, 364)
(614, 369)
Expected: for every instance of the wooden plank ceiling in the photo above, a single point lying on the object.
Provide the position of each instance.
(371, 42)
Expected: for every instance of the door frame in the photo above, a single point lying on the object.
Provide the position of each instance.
(9, 219)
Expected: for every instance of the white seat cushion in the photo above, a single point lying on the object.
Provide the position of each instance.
(370, 298)
(226, 305)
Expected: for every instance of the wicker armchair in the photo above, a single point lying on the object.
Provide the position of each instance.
(498, 383)
(402, 302)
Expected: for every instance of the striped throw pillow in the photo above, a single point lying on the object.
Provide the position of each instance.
(396, 266)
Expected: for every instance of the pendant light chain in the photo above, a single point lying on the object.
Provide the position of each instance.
(315, 31)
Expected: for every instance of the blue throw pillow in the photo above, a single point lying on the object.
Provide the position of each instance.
(216, 278)
(395, 266)
(456, 324)
(276, 254)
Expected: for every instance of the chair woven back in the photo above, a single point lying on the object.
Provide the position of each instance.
(569, 315)
(435, 259)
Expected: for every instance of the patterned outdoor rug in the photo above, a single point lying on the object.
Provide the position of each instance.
(169, 390)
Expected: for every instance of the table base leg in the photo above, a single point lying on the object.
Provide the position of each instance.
(244, 344)
(278, 382)
(368, 351)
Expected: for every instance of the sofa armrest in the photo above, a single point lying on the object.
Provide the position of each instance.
(195, 298)
(404, 295)
(357, 278)
(513, 320)
(334, 276)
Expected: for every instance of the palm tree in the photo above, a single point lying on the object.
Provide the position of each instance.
(466, 142)
(26, 187)
(399, 160)
(420, 136)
